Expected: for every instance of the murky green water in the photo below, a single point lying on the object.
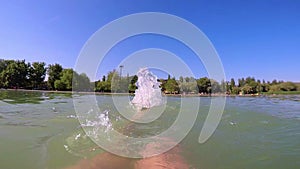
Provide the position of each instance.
(40, 131)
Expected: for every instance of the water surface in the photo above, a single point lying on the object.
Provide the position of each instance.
(40, 130)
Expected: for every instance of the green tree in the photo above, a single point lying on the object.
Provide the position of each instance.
(66, 80)
(132, 86)
(54, 73)
(249, 80)
(227, 87)
(235, 90)
(265, 87)
(246, 89)
(15, 75)
(241, 82)
(283, 86)
(204, 85)
(188, 87)
(100, 86)
(113, 81)
(171, 86)
(223, 86)
(124, 84)
(232, 84)
(60, 85)
(288, 86)
(215, 86)
(3, 66)
(254, 86)
(37, 73)
(104, 85)
(81, 82)
(259, 88)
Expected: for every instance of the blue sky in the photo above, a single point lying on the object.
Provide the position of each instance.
(253, 38)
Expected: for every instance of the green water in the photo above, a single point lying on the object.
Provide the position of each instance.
(40, 131)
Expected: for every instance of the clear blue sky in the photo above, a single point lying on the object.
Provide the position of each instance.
(253, 38)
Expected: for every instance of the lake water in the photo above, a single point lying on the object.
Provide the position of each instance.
(41, 131)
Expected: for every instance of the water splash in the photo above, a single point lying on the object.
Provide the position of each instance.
(97, 121)
(148, 92)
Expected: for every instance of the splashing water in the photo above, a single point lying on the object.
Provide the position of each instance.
(96, 122)
(99, 121)
(99, 125)
(148, 92)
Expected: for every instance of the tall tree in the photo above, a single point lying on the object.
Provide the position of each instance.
(223, 86)
(53, 74)
(15, 75)
(81, 82)
(259, 86)
(232, 84)
(215, 86)
(113, 81)
(3, 65)
(241, 82)
(37, 73)
(188, 87)
(172, 86)
(204, 85)
(66, 80)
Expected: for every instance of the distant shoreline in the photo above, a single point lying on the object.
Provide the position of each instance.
(173, 95)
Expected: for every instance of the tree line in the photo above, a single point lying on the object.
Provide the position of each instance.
(18, 74)
(113, 82)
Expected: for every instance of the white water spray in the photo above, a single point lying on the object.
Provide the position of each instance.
(148, 93)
